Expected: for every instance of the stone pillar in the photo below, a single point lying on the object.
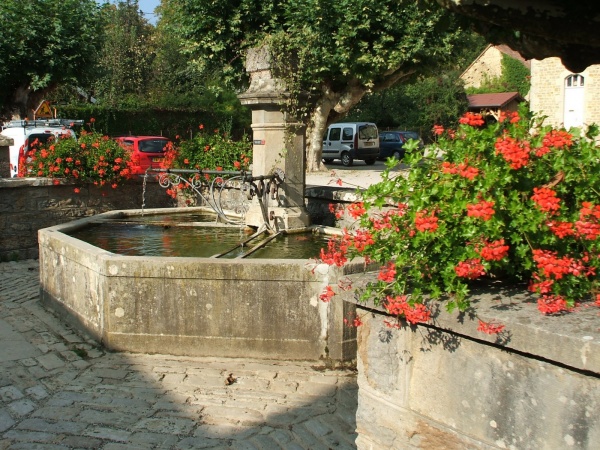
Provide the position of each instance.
(278, 144)
(5, 143)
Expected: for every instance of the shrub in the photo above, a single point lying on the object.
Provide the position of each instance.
(205, 151)
(210, 151)
(515, 200)
(92, 158)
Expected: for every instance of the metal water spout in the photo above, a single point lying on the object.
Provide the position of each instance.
(228, 193)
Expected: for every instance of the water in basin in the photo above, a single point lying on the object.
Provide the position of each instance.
(192, 235)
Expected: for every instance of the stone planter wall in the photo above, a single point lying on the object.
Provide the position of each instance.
(5, 143)
(448, 386)
(30, 204)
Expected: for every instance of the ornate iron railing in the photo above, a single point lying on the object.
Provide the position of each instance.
(228, 193)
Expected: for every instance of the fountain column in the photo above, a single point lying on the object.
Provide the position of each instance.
(278, 143)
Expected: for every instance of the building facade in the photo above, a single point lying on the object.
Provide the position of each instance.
(488, 65)
(565, 98)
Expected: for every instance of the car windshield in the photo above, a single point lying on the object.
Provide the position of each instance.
(153, 145)
(367, 132)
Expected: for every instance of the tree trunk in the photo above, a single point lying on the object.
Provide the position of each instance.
(24, 101)
(314, 136)
(331, 106)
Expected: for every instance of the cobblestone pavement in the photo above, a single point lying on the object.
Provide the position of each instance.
(60, 390)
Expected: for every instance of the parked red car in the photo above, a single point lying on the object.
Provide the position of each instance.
(146, 151)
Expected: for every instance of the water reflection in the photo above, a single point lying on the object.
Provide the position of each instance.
(164, 236)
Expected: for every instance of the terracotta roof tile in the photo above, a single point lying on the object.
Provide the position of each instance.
(478, 101)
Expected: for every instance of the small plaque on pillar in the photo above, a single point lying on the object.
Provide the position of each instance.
(258, 142)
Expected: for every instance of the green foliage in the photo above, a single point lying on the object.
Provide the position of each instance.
(223, 112)
(514, 200)
(348, 41)
(515, 78)
(207, 150)
(515, 75)
(92, 158)
(418, 105)
(210, 151)
(125, 65)
(437, 97)
(316, 43)
(44, 43)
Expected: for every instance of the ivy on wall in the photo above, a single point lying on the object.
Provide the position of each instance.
(515, 77)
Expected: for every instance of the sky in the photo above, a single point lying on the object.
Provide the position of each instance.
(147, 6)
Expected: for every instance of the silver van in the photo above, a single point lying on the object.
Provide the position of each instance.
(350, 141)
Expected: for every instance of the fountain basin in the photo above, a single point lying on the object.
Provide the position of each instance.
(199, 234)
(193, 306)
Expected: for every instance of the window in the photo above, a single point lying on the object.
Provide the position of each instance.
(348, 134)
(39, 139)
(367, 132)
(153, 146)
(575, 80)
(334, 134)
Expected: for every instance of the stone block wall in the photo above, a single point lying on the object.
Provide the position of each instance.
(547, 94)
(445, 385)
(5, 143)
(29, 204)
(488, 65)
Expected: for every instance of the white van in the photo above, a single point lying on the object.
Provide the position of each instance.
(350, 141)
(25, 132)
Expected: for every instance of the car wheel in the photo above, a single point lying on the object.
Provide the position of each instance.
(398, 155)
(347, 159)
(327, 160)
(369, 162)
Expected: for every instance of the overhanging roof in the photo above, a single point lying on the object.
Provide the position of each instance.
(499, 100)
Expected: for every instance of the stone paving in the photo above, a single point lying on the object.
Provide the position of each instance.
(60, 390)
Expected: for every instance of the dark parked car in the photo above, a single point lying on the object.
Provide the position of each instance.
(391, 143)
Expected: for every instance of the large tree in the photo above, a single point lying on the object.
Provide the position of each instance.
(338, 50)
(125, 66)
(416, 106)
(44, 43)
(433, 99)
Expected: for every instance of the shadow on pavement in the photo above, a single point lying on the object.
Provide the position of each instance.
(59, 390)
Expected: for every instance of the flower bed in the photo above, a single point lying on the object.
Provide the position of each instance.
(92, 158)
(513, 200)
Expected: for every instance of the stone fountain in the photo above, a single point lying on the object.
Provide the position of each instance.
(198, 306)
(278, 143)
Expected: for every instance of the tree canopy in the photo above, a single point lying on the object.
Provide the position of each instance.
(44, 43)
(338, 51)
(437, 98)
(126, 57)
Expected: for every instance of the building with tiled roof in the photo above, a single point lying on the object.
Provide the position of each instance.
(488, 65)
